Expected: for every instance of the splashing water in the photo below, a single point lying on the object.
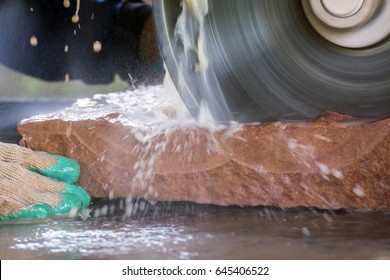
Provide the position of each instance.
(167, 138)
(190, 34)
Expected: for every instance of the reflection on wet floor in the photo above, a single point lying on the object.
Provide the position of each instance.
(192, 231)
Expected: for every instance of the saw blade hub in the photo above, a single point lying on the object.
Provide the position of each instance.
(350, 23)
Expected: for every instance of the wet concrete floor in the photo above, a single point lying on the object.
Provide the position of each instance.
(191, 231)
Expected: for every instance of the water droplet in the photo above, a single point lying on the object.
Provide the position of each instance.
(358, 190)
(75, 19)
(34, 41)
(97, 46)
(306, 232)
(66, 3)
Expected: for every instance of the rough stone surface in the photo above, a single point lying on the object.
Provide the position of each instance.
(332, 162)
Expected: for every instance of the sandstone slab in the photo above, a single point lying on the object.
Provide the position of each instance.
(130, 144)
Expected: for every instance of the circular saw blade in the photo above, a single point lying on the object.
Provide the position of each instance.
(266, 63)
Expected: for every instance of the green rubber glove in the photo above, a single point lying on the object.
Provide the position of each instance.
(37, 185)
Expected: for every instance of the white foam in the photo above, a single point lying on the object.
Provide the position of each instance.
(139, 107)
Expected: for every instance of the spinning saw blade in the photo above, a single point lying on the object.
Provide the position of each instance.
(267, 60)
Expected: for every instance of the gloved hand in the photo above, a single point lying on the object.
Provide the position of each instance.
(37, 185)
